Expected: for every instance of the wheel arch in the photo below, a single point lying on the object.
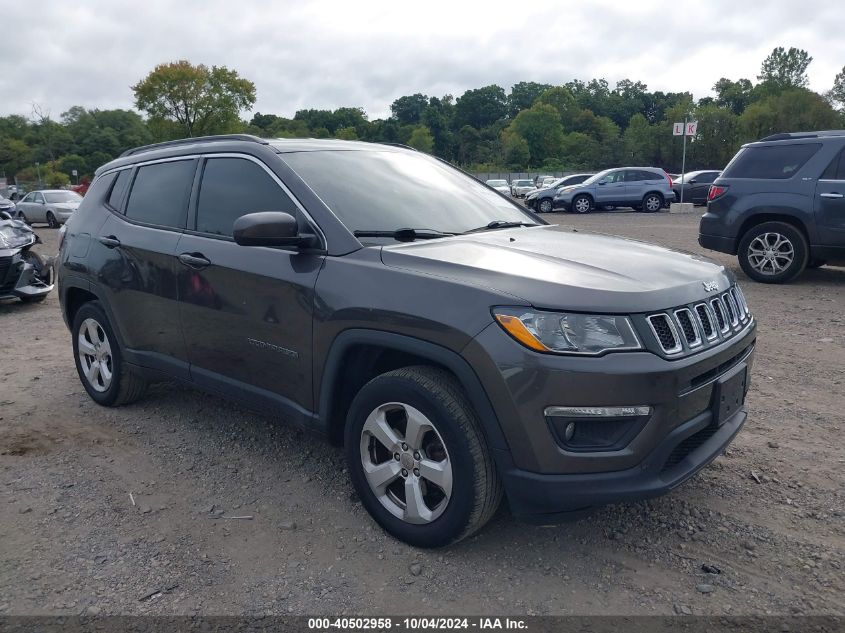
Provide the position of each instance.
(761, 218)
(358, 355)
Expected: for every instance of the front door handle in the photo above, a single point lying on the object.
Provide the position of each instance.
(194, 260)
(109, 241)
(831, 195)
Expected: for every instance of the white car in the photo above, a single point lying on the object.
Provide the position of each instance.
(501, 186)
(53, 206)
(521, 188)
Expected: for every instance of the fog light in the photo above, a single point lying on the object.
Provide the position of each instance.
(596, 429)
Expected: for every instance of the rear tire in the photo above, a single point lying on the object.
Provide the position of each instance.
(582, 204)
(52, 222)
(773, 252)
(112, 382)
(652, 203)
(406, 424)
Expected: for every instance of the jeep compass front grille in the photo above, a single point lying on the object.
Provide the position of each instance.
(663, 329)
(688, 328)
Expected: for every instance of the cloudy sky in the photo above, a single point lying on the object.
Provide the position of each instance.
(332, 53)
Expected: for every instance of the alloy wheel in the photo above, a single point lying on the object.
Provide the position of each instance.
(652, 204)
(546, 206)
(582, 205)
(406, 463)
(95, 355)
(771, 253)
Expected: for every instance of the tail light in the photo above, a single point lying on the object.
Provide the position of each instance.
(669, 178)
(715, 192)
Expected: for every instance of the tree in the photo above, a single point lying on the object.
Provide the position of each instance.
(421, 139)
(541, 129)
(347, 134)
(837, 93)
(517, 153)
(408, 110)
(523, 95)
(562, 100)
(481, 107)
(735, 95)
(785, 69)
(716, 139)
(201, 100)
(639, 141)
(15, 155)
(66, 164)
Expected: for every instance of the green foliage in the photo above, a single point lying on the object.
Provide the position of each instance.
(523, 95)
(200, 99)
(579, 125)
(422, 139)
(481, 107)
(540, 126)
(785, 69)
(517, 153)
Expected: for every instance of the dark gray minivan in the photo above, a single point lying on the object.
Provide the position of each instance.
(459, 347)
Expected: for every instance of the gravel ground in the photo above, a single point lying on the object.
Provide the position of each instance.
(761, 531)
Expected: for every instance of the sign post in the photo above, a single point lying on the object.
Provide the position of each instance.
(687, 128)
(75, 174)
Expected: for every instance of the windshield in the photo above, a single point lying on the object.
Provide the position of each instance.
(372, 190)
(687, 176)
(497, 183)
(62, 196)
(523, 183)
(597, 177)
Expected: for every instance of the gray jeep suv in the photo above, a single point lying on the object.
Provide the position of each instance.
(458, 347)
(642, 188)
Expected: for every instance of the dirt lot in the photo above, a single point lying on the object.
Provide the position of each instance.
(769, 514)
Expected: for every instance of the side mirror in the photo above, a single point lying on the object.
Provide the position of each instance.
(602, 182)
(270, 228)
(692, 182)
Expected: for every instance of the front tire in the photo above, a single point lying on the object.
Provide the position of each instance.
(99, 360)
(52, 222)
(582, 204)
(418, 459)
(545, 206)
(773, 252)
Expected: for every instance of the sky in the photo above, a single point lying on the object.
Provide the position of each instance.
(334, 53)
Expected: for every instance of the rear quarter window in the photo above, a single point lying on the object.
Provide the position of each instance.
(770, 161)
(159, 194)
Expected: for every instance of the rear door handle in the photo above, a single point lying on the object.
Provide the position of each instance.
(194, 260)
(109, 241)
(831, 195)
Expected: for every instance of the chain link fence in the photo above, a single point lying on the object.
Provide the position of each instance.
(510, 176)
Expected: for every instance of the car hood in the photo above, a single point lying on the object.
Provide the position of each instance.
(566, 270)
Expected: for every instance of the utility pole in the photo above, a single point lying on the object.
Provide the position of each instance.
(684, 160)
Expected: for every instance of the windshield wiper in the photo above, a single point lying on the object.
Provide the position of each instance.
(405, 235)
(499, 224)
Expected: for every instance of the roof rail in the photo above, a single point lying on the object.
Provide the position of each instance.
(784, 136)
(197, 139)
(413, 149)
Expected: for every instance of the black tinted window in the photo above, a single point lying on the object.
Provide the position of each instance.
(232, 187)
(160, 193)
(707, 176)
(120, 185)
(773, 161)
(836, 169)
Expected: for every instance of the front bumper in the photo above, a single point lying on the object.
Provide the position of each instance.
(543, 477)
(19, 279)
(544, 499)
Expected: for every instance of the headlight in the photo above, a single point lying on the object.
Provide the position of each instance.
(10, 237)
(568, 333)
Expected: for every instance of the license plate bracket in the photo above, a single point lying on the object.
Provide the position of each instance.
(729, 394)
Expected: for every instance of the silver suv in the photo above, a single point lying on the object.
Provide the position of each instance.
(643, 188)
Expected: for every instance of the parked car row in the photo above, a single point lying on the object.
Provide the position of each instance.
(50, 206)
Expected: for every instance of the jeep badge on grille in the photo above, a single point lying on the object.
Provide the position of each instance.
(710, 286)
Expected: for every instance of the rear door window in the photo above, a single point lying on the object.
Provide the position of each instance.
(160, 192)
(836, 169)
(232, 187)
(119, 189)
(770, 161)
